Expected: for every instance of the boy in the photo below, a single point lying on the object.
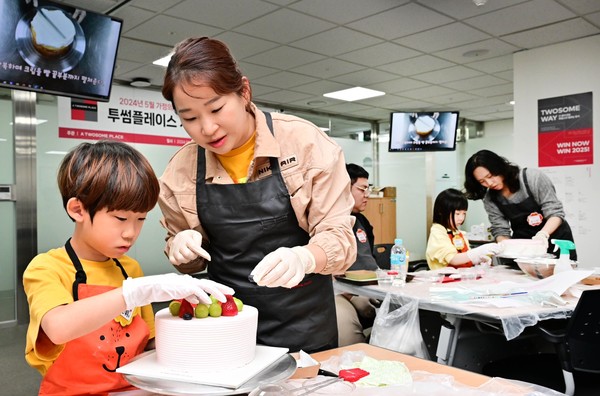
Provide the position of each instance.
(89, 305)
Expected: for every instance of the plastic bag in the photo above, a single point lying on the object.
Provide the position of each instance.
(397, 327)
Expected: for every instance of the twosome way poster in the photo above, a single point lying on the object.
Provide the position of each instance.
(565, 130)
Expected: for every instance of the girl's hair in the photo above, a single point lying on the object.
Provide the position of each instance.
(446, 203)
(108, 174)
(496, 165)
(203, 61)
(355, 172)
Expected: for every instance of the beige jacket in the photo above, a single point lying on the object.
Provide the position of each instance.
(314, 170)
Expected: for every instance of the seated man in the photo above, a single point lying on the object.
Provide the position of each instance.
(356, 313)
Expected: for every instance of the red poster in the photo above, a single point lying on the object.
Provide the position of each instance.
(565, 130)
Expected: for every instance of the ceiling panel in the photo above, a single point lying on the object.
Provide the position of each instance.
(424, 54)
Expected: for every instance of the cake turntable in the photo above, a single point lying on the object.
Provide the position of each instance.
(282, 369)
(62, 63)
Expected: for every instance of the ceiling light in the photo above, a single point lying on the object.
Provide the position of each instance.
(479, 2)
(140, 82)
(511, 102)
(352, 94)
(164, 61)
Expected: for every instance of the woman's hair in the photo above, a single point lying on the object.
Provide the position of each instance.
(108, 174)
(203, 61)
(355, 172)
(446, 203)
(496, 165)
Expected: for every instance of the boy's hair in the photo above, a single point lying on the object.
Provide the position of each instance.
(446, 203)
(355, 172)
(108, 174)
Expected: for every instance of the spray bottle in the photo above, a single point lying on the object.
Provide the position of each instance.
(564, 261)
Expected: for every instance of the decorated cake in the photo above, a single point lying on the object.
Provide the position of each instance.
(52, 32)
(203, 337)
(424, 125)
(513, 248)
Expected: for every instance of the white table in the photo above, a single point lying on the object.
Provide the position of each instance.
(513, 320)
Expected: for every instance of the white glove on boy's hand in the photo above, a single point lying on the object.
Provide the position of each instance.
(145, 290)
(284, 267)
(478, 254)
(187, 246)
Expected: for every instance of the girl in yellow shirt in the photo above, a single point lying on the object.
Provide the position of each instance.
(447, 244)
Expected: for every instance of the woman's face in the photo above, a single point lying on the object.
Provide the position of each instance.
(459, 217)
(487, 180)
(218, 123)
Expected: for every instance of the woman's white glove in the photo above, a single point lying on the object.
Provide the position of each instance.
(186, 247)
(145, 290)
(542, 236)
(284, 267)
(482, 253)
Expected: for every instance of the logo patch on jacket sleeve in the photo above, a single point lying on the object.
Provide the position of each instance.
(288, 162)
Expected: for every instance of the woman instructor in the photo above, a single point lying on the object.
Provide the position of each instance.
(520, 203)
(264, 198)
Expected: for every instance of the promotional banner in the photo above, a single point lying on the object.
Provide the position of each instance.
(132, 116)
(565, 128)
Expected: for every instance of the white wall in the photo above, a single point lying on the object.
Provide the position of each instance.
(558, 70)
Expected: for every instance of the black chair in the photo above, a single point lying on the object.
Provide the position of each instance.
(381, 252)
(578, 344)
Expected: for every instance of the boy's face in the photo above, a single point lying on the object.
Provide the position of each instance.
(110, 235)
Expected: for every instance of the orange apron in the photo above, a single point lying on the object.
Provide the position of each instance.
(87, 365)
(461, 246)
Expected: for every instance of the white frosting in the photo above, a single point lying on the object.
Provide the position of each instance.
(424, 124)
(522, 248)
(208, 343)
(52, 29)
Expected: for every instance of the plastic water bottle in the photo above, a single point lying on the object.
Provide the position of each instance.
(398, 262)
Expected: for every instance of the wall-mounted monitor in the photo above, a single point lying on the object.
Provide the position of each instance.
(423, 131)
(57, 49)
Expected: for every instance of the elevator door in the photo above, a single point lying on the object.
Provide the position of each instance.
(8, 225)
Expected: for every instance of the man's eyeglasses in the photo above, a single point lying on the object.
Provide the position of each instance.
(365, 189)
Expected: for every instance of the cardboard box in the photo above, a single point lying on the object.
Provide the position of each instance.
(389, 192)
(310, 371)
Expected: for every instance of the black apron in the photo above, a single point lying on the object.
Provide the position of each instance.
(80, 275)
(364, 251)
(245, 222)
(517, 215)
